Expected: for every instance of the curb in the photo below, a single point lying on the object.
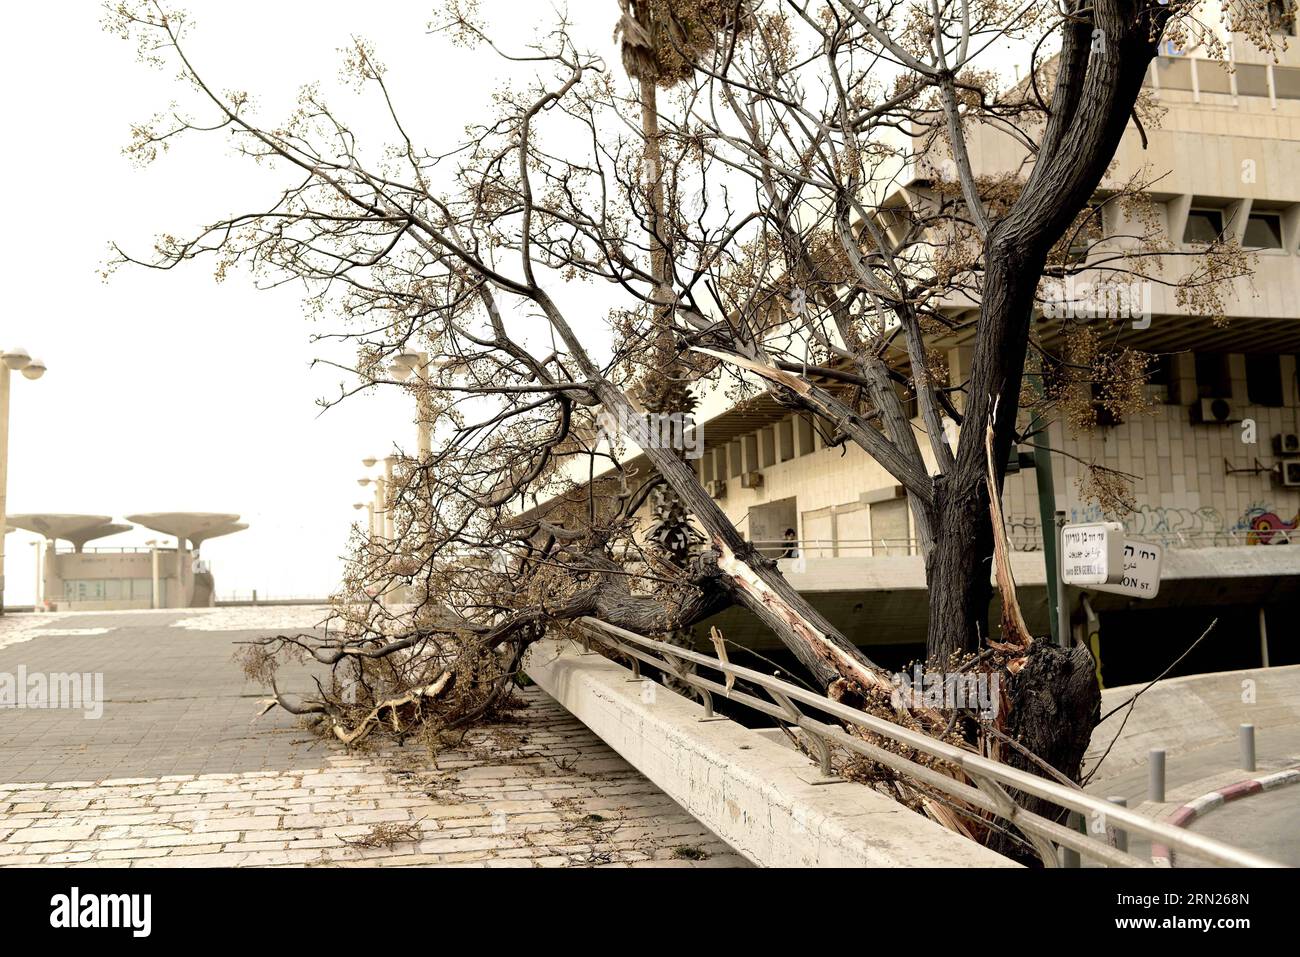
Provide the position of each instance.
(1163, 856)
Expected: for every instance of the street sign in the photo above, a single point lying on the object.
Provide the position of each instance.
(1092, 554)
(1141, 571)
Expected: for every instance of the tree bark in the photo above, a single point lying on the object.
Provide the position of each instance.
(960, 566)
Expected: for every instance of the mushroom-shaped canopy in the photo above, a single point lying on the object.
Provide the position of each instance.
(77, 529)
(194, 526)
(198, 538)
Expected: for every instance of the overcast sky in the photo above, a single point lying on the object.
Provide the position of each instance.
(169, 391)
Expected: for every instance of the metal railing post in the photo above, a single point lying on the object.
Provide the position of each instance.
(1069, 856)
(1117, 835)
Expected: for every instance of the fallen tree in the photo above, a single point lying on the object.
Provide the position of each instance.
(762, 247)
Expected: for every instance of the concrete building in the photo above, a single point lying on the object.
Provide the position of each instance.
(101, 579)
(1227, 510)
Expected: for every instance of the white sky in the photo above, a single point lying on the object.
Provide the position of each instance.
(168, 391)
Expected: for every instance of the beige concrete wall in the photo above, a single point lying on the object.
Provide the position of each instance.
(90, 564)
(1183, 487)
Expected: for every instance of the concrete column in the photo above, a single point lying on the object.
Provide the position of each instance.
(1182, 378)
(1237, 375)
(785, 440)
(803, 436)
(53, 580)
(1290, 385)
(157, 599)
(749, 453)
(40, 556)
(181, 600)
(1176, 212)
(1235, 218)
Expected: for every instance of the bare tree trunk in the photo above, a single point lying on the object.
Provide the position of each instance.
(957, 572)
(960, 565)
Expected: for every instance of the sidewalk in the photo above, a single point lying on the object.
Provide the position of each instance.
(1267, 824)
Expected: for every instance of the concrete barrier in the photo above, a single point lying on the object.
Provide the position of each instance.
(751, 791)
(1196, 711)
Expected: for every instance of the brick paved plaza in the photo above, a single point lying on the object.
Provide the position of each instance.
(177, 772)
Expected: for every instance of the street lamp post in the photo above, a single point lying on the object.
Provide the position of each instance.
(385, 489)
(11, 360)
(377, 504)
(410, 361)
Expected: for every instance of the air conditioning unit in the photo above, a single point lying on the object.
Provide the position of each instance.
(751, 480)
(1288, 443)
(1213, 412)
(1291, 473)
(716, 489)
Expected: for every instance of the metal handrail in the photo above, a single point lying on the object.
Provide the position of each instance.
(111, 550)
(991, 777)
(1030, 541)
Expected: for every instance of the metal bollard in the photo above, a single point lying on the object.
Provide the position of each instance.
(1246, 738)
(1118, 837)
(1156, 775)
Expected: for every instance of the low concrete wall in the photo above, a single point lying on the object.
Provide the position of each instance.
(746, 788)
(1183, 714)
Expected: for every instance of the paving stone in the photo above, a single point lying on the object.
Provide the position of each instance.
(175, 775)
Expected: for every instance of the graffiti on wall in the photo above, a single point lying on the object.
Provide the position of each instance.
(1260, 524)
(1174, 520)
(1024, 534)
(1264, 526)
(1158, 519)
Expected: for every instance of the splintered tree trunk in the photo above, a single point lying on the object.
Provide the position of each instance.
(1054, 705)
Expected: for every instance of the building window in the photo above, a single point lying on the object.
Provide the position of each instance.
(1263, 231)
(1203, 226)
(1264, 380)
(1213, 378)
(111, 589)
(1281, 17)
